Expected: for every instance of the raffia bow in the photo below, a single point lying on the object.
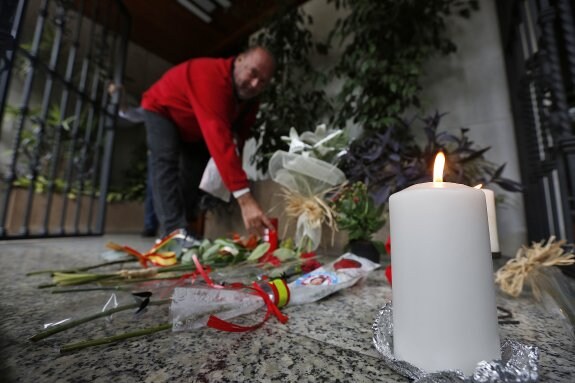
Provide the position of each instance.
(315, 208)
(528, 261)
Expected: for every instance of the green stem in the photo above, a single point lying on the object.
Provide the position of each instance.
(86, 289)
(187, 267)
(113, 339)
(115, 278)
(68, 325)
(47, 285)
(80, 268)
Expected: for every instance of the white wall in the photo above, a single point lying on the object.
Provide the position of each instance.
(471, 85)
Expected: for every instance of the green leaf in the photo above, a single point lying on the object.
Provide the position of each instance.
(284, 254)
(187, 257)
(210, 252)
(258, 252)
(224, 242)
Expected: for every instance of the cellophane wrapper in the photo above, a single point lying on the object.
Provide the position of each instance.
(332, 277)
(556, 294)
(192, 306)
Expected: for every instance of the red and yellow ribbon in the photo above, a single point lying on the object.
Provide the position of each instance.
(153, 256)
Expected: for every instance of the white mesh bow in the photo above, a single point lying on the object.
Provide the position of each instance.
(306, 181)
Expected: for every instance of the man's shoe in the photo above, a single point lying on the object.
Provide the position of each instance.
(185, 239)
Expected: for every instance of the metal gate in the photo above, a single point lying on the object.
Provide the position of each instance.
(57, 61)
(539, 43)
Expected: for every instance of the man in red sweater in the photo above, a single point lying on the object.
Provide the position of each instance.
(201, 108)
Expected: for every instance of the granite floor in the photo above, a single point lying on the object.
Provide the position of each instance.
(328, 341)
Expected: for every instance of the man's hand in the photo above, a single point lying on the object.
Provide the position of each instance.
(254, 218)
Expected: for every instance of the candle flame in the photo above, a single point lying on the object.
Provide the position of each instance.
(438, 167)
(478, 186)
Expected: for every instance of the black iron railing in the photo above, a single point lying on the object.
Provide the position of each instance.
(58, 119)
(539, 42)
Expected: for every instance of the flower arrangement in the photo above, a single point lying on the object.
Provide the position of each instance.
(237, 280)
(308, 175)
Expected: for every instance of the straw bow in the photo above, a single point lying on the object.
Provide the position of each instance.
(528, 261)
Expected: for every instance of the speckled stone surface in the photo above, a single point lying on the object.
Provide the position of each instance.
(328, 341)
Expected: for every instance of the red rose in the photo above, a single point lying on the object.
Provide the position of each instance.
(388, 245)
(346, 264)
(388, 274)
(271, 259)
(310, 265)
(310, 254)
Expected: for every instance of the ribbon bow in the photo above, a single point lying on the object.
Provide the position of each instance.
(528, 260)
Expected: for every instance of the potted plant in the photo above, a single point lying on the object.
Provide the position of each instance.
(392, 161)
(357, 213)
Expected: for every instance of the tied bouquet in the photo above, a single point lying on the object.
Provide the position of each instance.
(308, 175)
(306, 182)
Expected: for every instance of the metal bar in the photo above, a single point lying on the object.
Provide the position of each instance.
(5, 78)
(86, 63)
(111, 119)
(27, 92)
(59, 20)
(534, 70)
(72, 53)
(565, 12)
(106, 109)
(11, 19)
(101, 126)
(559, 116)
(45, 68)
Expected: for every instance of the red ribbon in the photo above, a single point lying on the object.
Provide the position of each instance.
(200, 271)
(204, 274)
(220, 324)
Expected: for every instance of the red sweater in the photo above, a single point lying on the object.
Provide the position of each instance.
(198, 97)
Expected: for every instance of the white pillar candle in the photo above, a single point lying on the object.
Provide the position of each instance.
(492, 219)
(444, 310)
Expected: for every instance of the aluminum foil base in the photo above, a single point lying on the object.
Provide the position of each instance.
(519, 362)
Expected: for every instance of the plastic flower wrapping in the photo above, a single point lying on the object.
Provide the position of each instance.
(306, 181)
(307, 173)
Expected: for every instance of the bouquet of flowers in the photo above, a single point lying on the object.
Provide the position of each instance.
(307, 174)
(306, 182)
(212, 304)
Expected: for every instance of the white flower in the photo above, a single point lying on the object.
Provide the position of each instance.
(322, 143)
